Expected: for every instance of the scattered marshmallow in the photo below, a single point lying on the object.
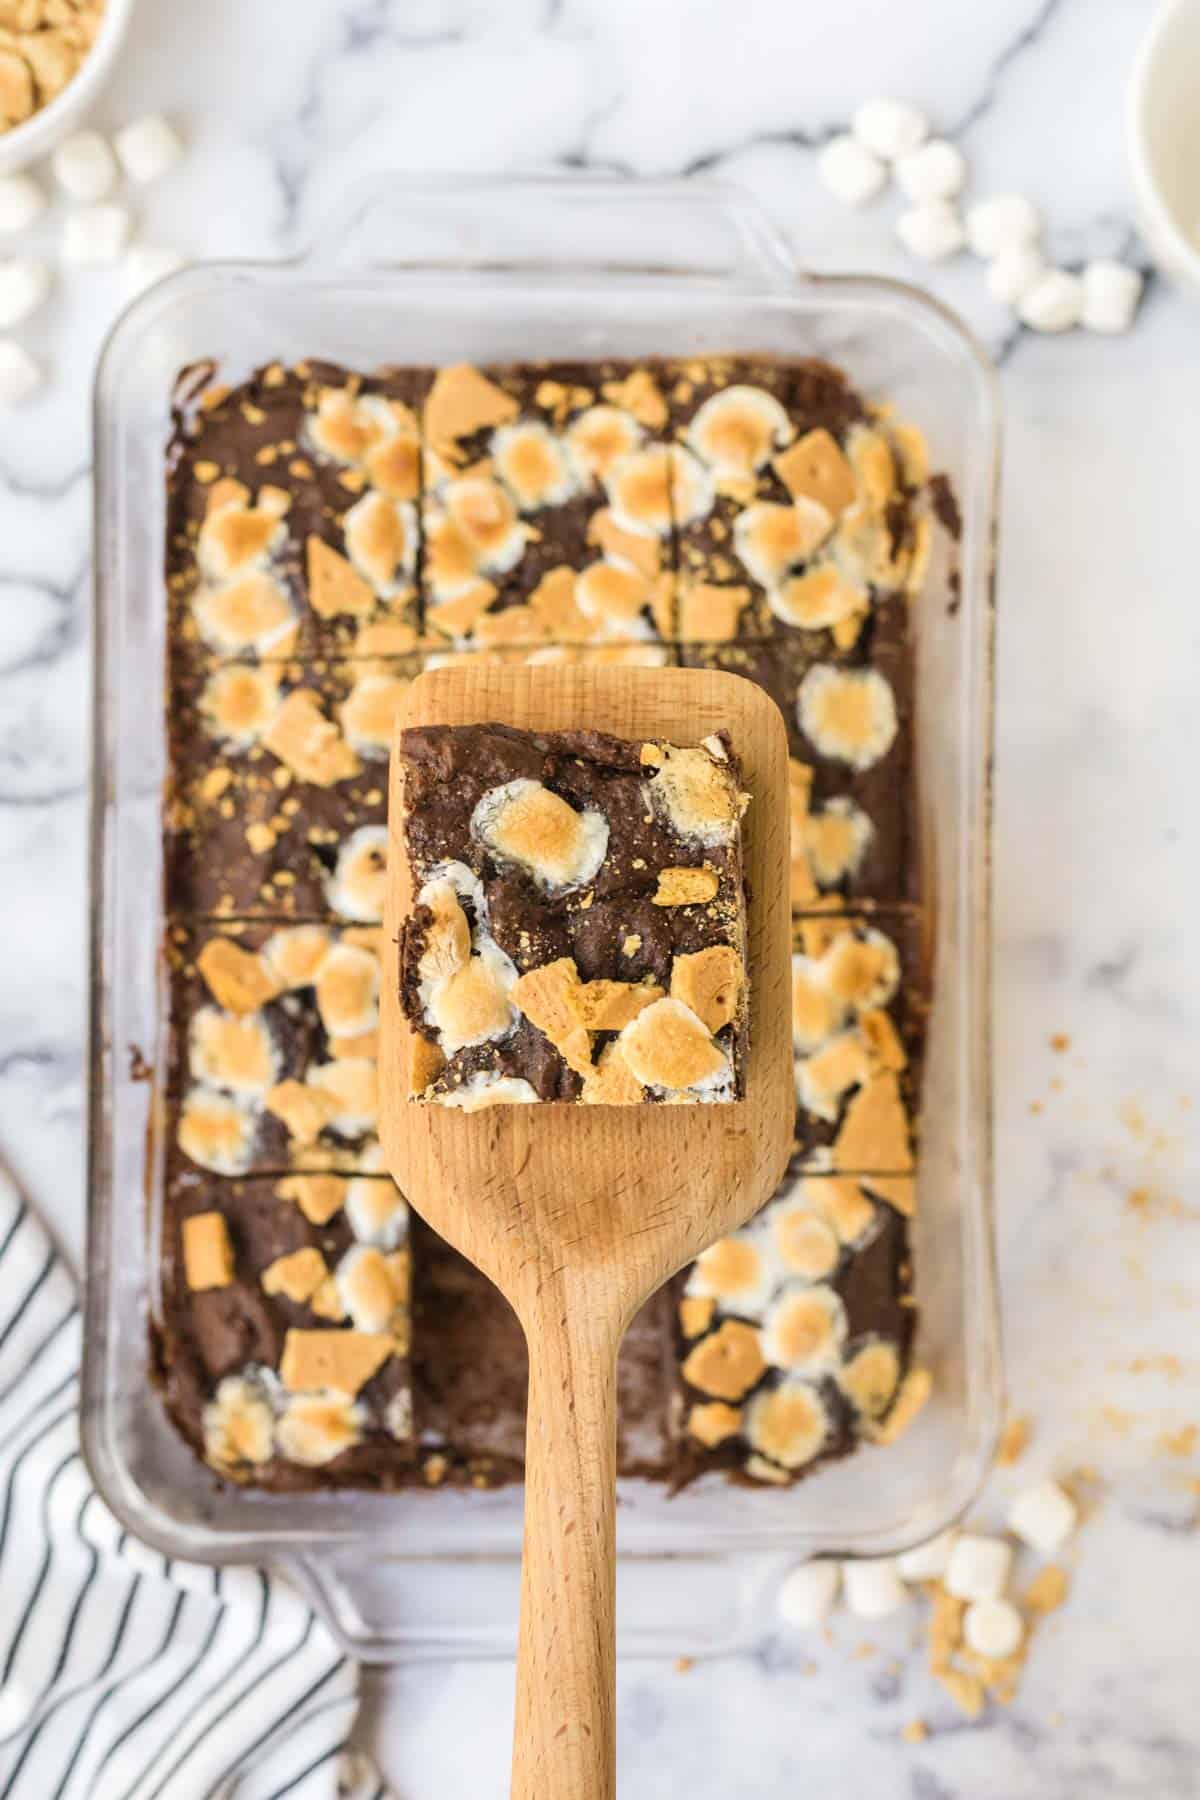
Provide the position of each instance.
(145, 264)
(20, 376)
(927, 1562)
(933, 232)
(890, 128)
(936, 171)
(978, 1567)
(852, 174)
(1053, 303)
(1043, 1516)
(24, 284)
(148, 147)
(808, 1592)
(21, 202)
(85, 167)
(1001, 222)
(873, 1589)
(95, 235)
(1014, 272)
(1111, 291)
(993, 1628)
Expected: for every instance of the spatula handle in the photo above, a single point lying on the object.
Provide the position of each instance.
(565, 1742)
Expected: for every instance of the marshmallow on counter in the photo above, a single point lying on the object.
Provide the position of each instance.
(1014, 272)
(148, 147)
(1053, 303)
(807, 1593)
(933, 232)
(24, 284)
(890, 128)
(936, 171)
(145, 264)
(1111, 291)
(95, 235)
(1043, 1516)
(1002, 222)
(20, 376)
(993, 1628)
(21, 202)
(978, 1567)
(873, 1589)
(927, 1562)
(84, 166)
(852, 174)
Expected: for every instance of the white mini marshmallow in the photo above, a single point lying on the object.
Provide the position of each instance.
(1014, 272)
(1111, 291)
(936, 171)
(927, 1562)
(1053, 303)
(891, 128)
(978, 1567)
(95, 234)
(24, 284)
(993, 1628)
(145, 264)
(148, 147)
(1043, 1516)
(851, 173)
(999, 223)
(21, 202)
(933, 231)
(20, 376)
(807, 1593)
(873, 1589)
(84, 166)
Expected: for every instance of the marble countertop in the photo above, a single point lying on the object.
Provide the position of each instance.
(1099, 1217)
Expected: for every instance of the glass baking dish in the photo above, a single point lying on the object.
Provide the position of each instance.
(443, 270)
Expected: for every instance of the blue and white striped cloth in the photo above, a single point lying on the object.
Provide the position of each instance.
(123, 1675)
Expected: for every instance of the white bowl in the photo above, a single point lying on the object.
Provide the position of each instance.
(38, 135)
(1163, 129)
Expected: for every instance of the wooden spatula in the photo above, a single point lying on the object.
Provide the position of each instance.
(578, 1213)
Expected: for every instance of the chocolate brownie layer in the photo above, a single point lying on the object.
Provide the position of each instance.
(578, 921)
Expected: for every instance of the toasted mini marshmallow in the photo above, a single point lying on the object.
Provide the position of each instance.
(349, 1086)
(250, 614)
(669, 1049)
(993, 1628)
(804, 1242)
(483, 513)
(862, 971)
(851, 173)
(381, 540)
(837, 837)
(819, 598)
(848, 714)
(842, 1201)
(238, 1425)
(232, 1052)
(526, 823)
(692, 486)
(295, 953)
(737, 430)
(487, 1088)
(927, 1561)
(817, 1012)
(694, 793)
(314, 1428)
(788, 1424)
(241, 534)
(734, 1273)
(807, 1593)
(217, 1131)
(368, 713)
(639, 491)
(377, 1212)
(873, 1589)
(355, 889)
(978, 1567)
(615, 598)
(771, 539)
(472, 1006)
(824, 1078)
(533, 464)
(373, 1287)
(804, 1331)
(1043, 1516)
(347, 989)
(869, 1379)
(598, 439)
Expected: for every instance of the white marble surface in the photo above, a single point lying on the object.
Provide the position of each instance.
(1096, 849)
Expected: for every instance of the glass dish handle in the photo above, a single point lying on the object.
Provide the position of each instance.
(565, 223)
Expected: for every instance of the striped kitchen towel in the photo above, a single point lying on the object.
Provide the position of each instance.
(124, 1675)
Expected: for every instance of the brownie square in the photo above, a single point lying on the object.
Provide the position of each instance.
(293, 512)
(277, 798)
(282, 1343)
(578, 921)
